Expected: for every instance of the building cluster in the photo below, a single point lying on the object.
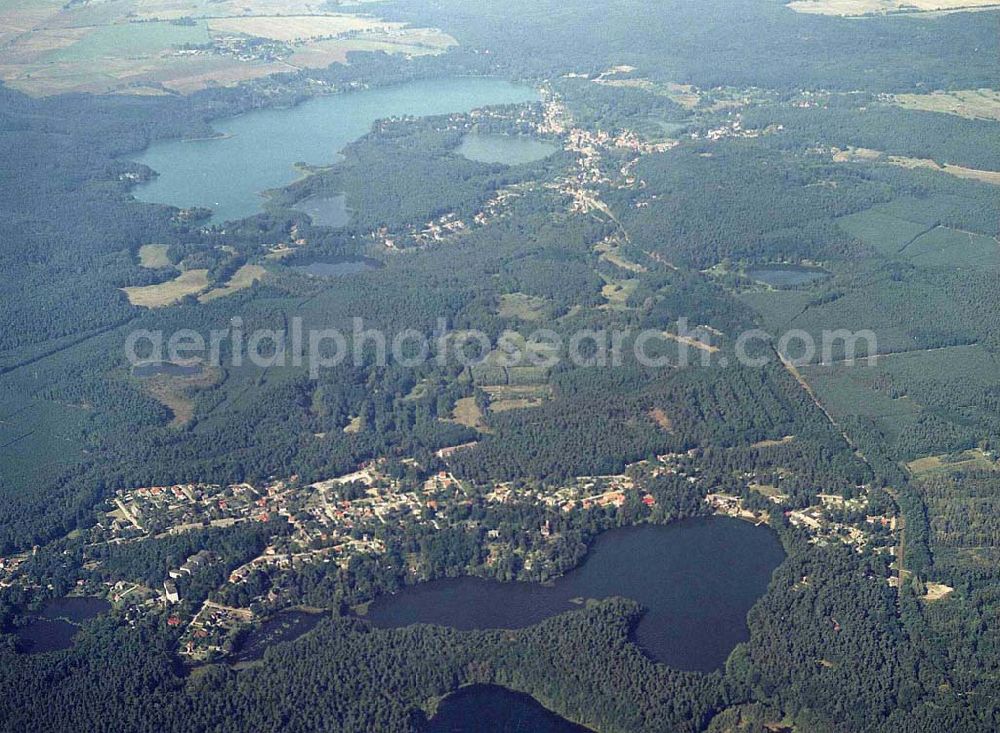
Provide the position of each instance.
(834, 518)
(438, 230)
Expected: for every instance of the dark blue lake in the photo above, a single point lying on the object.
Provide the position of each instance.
(697, 580)
(55, 626)
(492, 709)
(282, 627)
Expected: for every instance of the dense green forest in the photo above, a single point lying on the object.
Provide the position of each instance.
(697, 150)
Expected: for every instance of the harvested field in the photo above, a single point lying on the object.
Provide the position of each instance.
(299, 28)
(610, 252)
(854, 8)
(937, 591)
(973, 104)
(617, 292)
(867, 155)
(176, 393)
(773, 443)
(690, 341)
(508, 397)
(154, 256)
(521, 306)
(187, 283)
(243, 278)
(467, 413)
(140, 47)
(970, 460)
(662, 419)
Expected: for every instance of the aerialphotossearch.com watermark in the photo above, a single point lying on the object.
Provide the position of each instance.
(316, 349)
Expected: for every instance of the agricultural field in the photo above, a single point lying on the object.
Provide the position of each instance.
(949, 463)
(973, 104)
(944, 247)
(852, 8)
(129, 41)
(867, 155)
(37, 439)
(521, 306)
(888, 235)
(291, 28)
(923, 399)
(242, 279)
(181, 46)
(907, 229)
(926, 210)
(190, 282)
(902, 318)
(19, 18)
(154, 256)
(776, 308)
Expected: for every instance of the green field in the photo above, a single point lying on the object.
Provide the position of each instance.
(942, 247)
(130, 40)
(924, 401)
(37, 440)
(887, 234)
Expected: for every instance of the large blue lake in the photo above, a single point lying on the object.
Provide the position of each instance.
(257, 151)
(696, 581)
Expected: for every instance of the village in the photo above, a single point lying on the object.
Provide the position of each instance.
(356, 515)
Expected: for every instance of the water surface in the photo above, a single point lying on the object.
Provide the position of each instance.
(696, 579)
(326, 211)
(493, 709)
(507, 149)
(282, 627)
(56, 625)
(257, 151)
(338, 268)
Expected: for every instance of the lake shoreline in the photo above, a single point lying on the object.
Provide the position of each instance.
(256, 151)
(696, 579)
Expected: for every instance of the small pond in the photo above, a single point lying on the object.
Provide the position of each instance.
(282, 627)
(338, 268)
(493, 709)
(55, 626)
(326, 211)
(507, 149)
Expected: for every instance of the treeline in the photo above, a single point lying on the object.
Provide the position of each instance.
(599, 420)
(741, 203)
(123, 678)
(718, 43)
(863, 122)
